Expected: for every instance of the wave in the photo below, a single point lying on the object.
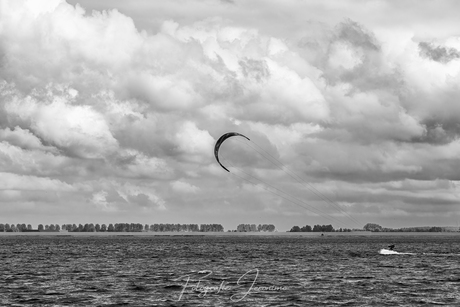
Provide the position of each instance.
(384, 251)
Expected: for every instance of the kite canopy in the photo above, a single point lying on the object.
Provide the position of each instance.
(221, 140)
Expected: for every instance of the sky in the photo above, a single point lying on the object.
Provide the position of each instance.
(110, 110)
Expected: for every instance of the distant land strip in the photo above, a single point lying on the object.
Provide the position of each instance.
(134, 227)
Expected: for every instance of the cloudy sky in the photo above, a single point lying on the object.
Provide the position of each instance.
(109, 112)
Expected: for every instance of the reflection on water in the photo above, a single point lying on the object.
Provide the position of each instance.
(228, 271)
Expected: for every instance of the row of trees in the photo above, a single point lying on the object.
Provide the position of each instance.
(254, 228)
(133, 227)
(15, 228)
(118, 227)
(377, 228)
(318, 228)
(413, 229)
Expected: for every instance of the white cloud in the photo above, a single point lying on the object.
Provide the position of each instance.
(100, 200)
(344, 56)
(183, 187)
(11, 181)
(193, 141)
(132, 163)
(34, 162)
(77, 129)
(23, 138)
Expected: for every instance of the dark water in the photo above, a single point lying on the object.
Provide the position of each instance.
(228, 271)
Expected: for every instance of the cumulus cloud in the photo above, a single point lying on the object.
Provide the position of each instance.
(194, 141)
(121, 107)
(184, 187)
(23, 138)
(78, 130)
(12, 181)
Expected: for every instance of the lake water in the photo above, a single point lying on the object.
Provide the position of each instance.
(285, 270)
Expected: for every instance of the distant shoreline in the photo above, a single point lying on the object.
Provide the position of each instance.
(225, 234)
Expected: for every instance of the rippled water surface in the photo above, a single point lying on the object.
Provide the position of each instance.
(228, 271)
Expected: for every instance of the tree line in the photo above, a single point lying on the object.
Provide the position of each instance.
(254, 228)
(15, 228)
(318, 228)
(415, 229)
(377, 228)
(117, 227)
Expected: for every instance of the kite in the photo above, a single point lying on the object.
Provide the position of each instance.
(221, 140)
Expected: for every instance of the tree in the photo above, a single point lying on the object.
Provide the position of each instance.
(246, 228)
(40, 227)
(97, 227)
(266, 227)
(111, 228)
(372, 227)
(317, 228)
(295, 229)
(121, 227)
(103, 228)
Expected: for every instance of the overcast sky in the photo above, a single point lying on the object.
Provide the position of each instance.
(109, 112)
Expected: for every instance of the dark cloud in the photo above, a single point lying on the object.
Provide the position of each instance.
(114, 197)
(438, 53)
(440, 132)
(255, 69)
(141, 200)
(357, 35)
(365, 69)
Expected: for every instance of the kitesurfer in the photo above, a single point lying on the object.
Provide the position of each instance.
(391, 246)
